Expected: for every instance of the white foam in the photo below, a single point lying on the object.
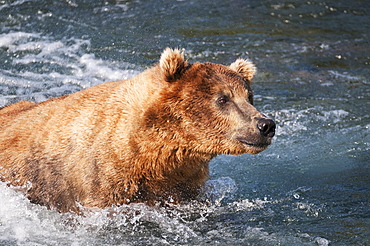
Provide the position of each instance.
(343, 75)
(22, 222)
(334, 116)
(15, 3)
(249, 205)
(99, 68)
(10, 40)
(293, 122)
(55, 67)
(19, 220)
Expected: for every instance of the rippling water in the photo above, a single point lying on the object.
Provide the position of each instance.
(311, 187)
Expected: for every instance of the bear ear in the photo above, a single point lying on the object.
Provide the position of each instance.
(245, 68)
(172, 64)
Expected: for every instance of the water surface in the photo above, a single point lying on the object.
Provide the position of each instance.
(311, 187)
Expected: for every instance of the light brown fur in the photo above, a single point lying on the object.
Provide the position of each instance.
(146, 139)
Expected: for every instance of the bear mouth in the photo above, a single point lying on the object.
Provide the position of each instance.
(260, 145)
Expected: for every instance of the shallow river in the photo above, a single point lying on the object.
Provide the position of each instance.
(311, 187)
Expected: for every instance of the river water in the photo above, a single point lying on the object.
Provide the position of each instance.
(311, 187)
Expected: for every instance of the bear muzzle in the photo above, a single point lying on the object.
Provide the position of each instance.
(261, 139)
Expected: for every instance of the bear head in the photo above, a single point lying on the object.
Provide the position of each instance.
(207, 107)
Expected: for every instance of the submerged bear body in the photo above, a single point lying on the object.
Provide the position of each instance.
(145, 139)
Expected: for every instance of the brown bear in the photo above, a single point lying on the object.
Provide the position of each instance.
(145, 139)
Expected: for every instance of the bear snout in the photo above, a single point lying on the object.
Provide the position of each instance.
(266, 127)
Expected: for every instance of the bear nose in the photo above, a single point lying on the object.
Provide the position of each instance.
(267, 127)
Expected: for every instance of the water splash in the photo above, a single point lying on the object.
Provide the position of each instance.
(39, 67)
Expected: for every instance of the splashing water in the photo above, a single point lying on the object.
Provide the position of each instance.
(311, 187)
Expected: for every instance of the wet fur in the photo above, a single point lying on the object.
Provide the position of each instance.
(146, 139)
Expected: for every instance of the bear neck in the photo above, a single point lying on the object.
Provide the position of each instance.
(168, 153)
(161, 157)
(170, 171)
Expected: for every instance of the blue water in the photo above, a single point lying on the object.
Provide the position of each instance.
(311, 187)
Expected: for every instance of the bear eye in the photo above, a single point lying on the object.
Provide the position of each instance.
(223, 100)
